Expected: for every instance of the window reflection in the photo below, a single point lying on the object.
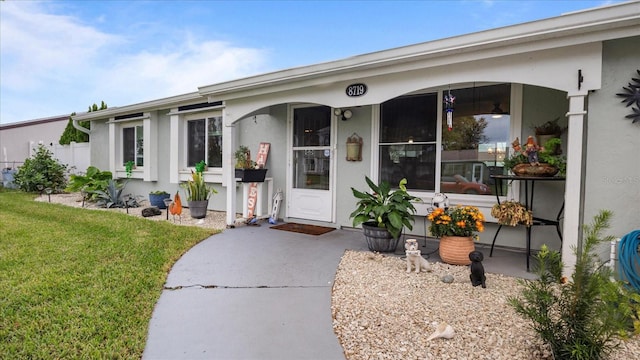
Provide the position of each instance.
(476, 146)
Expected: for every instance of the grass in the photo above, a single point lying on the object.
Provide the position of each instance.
(77, 283)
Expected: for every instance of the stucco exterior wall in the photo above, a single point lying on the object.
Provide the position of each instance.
(351, 173)
(613, 143)
(16, 141)
(99, 139)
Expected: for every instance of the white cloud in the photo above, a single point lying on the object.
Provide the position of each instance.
(56, 64)
(148, 75)
(38, 47)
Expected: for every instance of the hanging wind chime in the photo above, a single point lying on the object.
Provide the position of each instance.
(449, 101)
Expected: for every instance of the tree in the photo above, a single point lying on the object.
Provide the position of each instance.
(70, 133)
(467, 133)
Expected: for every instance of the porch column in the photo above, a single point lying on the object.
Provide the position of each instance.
(574, 187)
(228, 173)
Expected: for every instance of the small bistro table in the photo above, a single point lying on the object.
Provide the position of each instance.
(528, 203)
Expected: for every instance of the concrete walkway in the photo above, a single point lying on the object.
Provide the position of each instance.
(258, 293)
(251, 293)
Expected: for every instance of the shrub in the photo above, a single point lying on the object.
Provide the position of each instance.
(112, 196)
(580, 318)
(40, 172)
(93, 180)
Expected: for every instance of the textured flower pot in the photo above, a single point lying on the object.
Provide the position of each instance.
(379, 239)
(198, 209)
(455, 250)
(157, 200)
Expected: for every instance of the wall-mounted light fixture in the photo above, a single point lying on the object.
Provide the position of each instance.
(344, 114)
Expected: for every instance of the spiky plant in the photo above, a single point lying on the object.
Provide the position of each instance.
(578, 318)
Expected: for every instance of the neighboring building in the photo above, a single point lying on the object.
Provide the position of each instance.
(512, 78)
(19, 140)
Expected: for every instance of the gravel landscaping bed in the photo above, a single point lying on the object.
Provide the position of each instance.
(381, 312)
(213, 220)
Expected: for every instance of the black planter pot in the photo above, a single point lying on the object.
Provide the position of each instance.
(379, 239)
(251, 175)
(157, 200)
(198, 209)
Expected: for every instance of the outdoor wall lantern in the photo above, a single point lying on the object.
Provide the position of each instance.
(354, 148)
(344, 114)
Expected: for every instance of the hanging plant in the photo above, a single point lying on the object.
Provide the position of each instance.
(631, 97)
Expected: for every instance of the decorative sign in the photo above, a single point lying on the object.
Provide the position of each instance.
(263, 152)
(355, 90)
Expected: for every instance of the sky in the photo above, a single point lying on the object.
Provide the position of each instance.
(59, 57)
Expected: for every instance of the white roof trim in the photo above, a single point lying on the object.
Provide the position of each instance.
(168, 102)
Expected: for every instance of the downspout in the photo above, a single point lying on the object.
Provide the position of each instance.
(80, 128)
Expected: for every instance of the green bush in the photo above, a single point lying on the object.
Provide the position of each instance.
(40, 172)
(93, 180)
(579, 317)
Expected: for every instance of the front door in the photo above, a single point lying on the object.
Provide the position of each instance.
(311, 158)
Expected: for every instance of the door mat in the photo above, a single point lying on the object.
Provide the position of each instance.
(303, 228)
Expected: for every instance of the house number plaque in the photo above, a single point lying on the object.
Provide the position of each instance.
(355, 90)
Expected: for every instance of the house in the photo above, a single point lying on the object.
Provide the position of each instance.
(504, 81)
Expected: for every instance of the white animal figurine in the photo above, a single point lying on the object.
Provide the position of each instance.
(444, 331)
(414, 257)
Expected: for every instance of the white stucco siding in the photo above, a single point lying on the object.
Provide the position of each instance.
(613, 143)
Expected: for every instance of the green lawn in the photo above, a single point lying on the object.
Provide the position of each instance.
(77, 283)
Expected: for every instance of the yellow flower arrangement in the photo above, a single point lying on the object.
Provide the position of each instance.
(456, 221)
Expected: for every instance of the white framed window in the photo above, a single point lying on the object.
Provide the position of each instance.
(415, 142)
(407, 140)
(133, 137)
(132, 141)
(204, 141)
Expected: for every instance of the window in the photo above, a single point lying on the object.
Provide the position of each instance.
(407, 144)
(472, 150)
(476, 145)
(204, 141)
(132, 145)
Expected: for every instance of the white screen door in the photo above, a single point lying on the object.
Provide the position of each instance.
(310, 195)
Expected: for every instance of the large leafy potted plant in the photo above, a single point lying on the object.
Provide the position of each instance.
(198, 194)
(456, 227)
(246, 169)
(383, 213)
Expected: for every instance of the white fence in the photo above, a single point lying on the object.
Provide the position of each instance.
(76, 156)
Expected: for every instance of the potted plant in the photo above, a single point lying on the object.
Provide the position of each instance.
(198, 194)
(156, 198)
(246, 169)
(550, 130)
(456, 227)
(383, 214)
(512, 213)
(545, 162)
